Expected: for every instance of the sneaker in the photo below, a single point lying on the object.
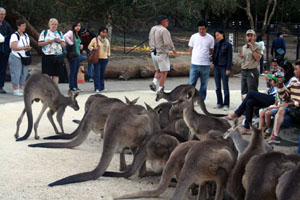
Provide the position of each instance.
(105, 90)
(17, 93)
(91, 80)
(79, 90)
(73, 90)
(226, 108)
(255, 120)
(21, 92)
(268, 131)
(274, 140)
(152, 87)
(218, 106)
(2, 91)
(97, 91)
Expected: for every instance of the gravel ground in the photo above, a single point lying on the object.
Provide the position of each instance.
(25, 172)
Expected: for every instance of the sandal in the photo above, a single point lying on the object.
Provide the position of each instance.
(231, 116)
(245, 131)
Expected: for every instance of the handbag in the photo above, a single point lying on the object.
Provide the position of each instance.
(280, 51)
(93, 56)
(25, 60)
(71, 52)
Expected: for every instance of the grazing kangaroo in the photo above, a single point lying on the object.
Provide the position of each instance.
(289, 184)
(123, 128)
(210, 160)
(240, 143)
(41, 87)
(181, 91)
(172, 167)
(262, 173)
(199, 124)
(256, 147)
(156, 149)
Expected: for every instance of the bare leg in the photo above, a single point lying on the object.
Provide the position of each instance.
(55, 79)
(50, 117)
(261, 119)
(59, 117)
(22, 87)
(279, 117)
(36, 123)
(19, 123)
(268, 119)
(15, 86)
(163, 78)
(157, 75)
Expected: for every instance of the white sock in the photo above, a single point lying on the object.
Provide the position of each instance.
(160, 87)
(155, 80)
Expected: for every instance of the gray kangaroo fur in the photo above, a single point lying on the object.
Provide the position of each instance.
(40, 87)
(156, 149)
(172, 167)
(210, 160)
(199, 124)
(262, 173)
(123, 128)
(256, 147)
(289, 184)
(182, 90)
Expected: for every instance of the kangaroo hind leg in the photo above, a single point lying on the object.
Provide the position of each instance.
(59, 117)
(36, 123)
(19, 123)
(50, 117)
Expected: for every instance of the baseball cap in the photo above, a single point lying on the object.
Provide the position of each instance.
(161, 17)
(272, 76)
(250, 31)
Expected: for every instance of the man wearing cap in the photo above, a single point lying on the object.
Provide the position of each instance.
(161, 44)
(251, 54)
(201, 46)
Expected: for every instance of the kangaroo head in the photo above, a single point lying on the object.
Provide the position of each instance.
(231, 132)
(159, 96)
(184, 101)
(73, 103)
(152, 114)
(134, 101)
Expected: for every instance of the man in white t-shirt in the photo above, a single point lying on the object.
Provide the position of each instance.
(201, 47)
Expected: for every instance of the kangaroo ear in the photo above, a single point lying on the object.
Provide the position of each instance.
(190, 93)
(127, 100)
(75, 95)
(134, 101)
(148, 107)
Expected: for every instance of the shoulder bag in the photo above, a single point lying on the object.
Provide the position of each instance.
(93, 56)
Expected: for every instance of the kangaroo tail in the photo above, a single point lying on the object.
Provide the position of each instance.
(30, 120)
(166, 177)
(203, 107)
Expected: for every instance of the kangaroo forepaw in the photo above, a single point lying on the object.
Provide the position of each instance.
(16, 136)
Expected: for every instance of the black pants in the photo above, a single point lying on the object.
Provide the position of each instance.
(249, 81)
(3, 66)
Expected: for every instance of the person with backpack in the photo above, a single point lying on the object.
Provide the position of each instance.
(52, 42)
(5, 31)
(20, 45)
(74, 46)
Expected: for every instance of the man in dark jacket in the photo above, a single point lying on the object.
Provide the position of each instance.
(6, 31)
(278, 46)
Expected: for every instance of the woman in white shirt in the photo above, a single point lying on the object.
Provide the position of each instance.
(261, 44)
(20, 44)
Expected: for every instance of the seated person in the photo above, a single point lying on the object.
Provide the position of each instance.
(291, 96)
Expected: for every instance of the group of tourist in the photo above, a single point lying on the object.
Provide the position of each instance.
(73, 45)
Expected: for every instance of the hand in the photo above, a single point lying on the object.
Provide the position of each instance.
(84, 52)
(27, 48)
(95, 48)
(240, 54)
(175, 54)
(227, 72)
(58, 40)
(81, 47)
(250, 46)
(50, 41)
(210, 58)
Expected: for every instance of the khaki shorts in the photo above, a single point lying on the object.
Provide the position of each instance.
(161, 62)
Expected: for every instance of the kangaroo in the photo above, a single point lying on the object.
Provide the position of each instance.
(262, 173)
(210, 160)
(41, 87)
(172, 167)
(180, 127)
(123, 128)
(255, 147)
(182, 90)
(288, 185)
(199, 124)
(240, 143)
(156, 149)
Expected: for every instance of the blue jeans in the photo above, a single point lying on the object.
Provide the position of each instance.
(220, 74)
(3, 66)
(261, 63)
(90, 66)
(99, 74)
(201, 71)
(73, 71)
(253, 99)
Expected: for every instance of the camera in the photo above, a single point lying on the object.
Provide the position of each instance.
(28, 53)
(279, 74)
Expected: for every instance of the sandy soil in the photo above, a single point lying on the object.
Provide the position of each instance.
(25, 172)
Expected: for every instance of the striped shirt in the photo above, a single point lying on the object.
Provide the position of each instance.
(291, 93)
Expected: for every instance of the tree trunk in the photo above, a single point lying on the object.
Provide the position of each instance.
(267, 18)
(109, 27)
(248, 12)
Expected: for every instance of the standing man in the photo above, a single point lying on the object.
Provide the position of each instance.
(278, 46)
(251, 54)
(201, 46)
(6, 31)
(161, 44)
